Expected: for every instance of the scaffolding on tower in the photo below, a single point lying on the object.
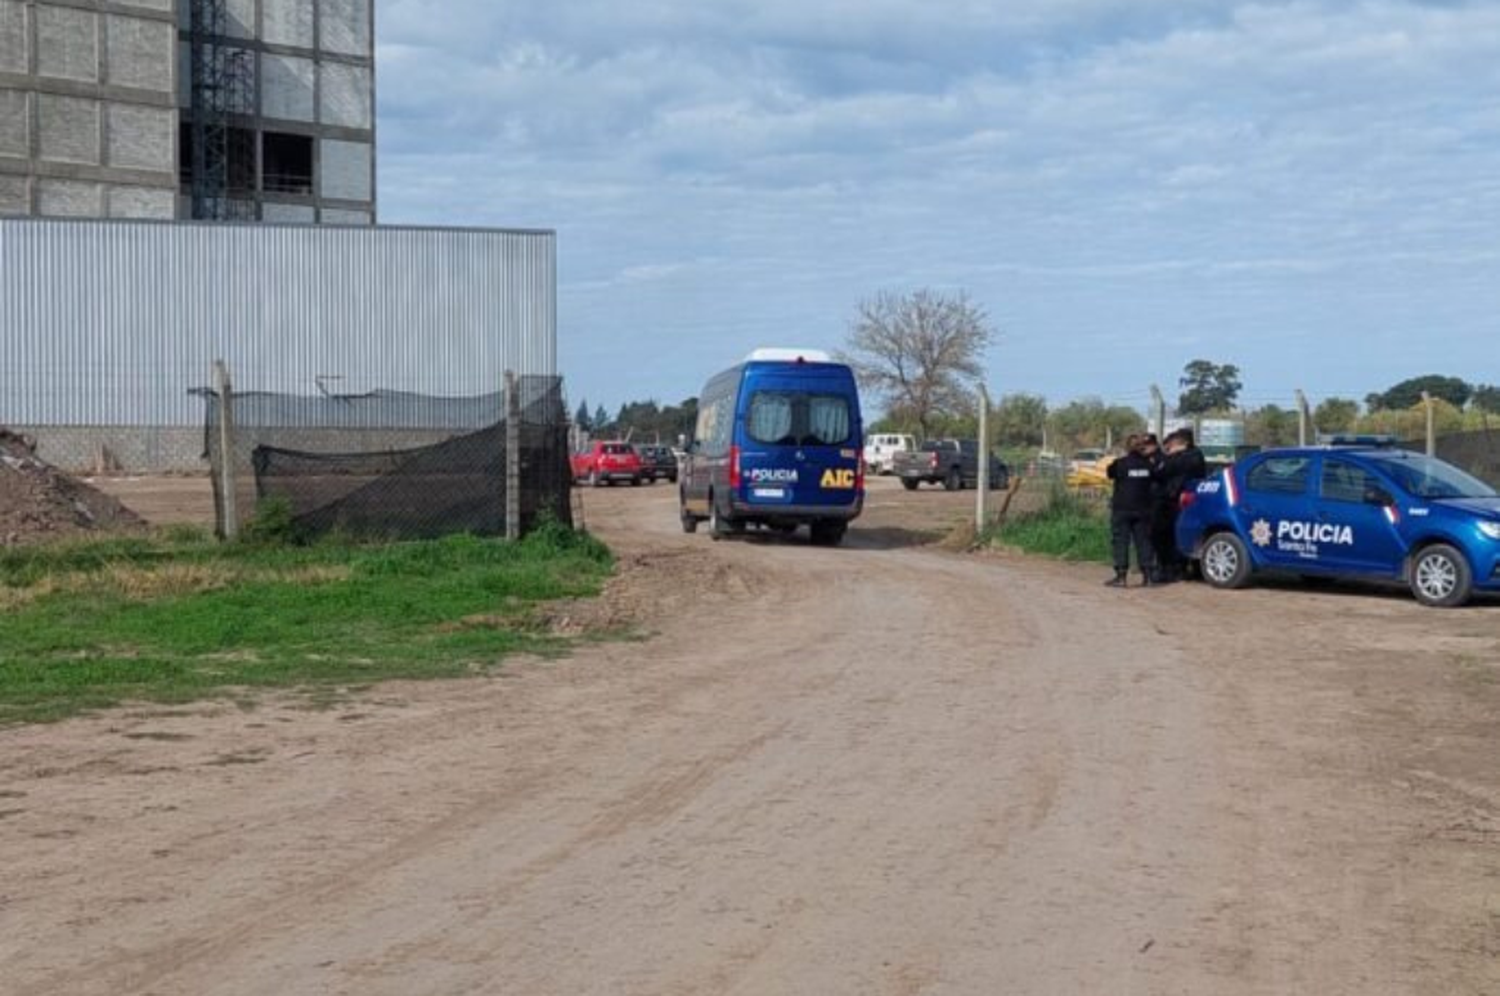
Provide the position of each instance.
(223, 87)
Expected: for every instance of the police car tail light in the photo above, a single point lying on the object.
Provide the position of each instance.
(734, 468)
(1185, 499)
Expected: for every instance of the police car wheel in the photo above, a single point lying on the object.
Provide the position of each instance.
(1440, 577)
(1224, 562)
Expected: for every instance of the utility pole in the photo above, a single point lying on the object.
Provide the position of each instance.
(1431, 423)
(1158, 411)
(1303, 418)
(981, 510)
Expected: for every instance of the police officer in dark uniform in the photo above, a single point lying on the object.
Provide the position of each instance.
(1182, 463)
(1131, 506)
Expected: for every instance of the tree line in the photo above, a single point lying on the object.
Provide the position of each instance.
(920, 358)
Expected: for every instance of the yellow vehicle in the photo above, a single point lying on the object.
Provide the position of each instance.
(1089, 469)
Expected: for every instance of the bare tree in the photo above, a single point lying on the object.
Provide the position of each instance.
(920, 352)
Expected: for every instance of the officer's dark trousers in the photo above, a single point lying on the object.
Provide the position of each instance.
(1127, 528)
(1164, 538)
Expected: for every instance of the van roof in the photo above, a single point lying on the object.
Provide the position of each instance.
(788, 354)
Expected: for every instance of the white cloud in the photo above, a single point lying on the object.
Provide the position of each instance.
(1189, 161)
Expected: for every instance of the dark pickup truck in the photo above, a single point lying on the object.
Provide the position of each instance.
(953, 463)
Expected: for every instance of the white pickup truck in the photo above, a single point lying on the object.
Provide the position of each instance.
(881, 449)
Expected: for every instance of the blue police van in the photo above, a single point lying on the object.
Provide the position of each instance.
(778, 445)
(1358, 509)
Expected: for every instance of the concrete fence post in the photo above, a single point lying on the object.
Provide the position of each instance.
(1158, 412)
(228, 478)
(1431, 423)
(512, 457)
(981, 500)
(1303, 418)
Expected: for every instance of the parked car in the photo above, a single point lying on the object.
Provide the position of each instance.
(776, 446)
(953, 463)
(608, 463)
(881, 449)
(1359, 512)
(658, 463)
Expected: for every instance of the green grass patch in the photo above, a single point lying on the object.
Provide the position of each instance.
(1069, 526)
(177, 617)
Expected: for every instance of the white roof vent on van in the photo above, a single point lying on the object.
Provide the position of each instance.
(789, 355)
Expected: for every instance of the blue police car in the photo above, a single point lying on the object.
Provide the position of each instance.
(1356, 510)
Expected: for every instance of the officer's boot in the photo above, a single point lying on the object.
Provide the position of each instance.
(1120, 580)
(1148, 580)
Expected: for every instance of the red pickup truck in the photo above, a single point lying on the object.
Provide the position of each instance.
(606, 463)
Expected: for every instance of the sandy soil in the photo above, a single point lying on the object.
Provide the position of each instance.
(878, 769)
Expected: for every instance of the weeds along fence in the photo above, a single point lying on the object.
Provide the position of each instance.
(390, 464)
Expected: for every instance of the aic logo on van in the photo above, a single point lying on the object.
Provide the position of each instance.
(773, 475)
(835, 478)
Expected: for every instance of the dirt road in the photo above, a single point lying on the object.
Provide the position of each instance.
(881, 769)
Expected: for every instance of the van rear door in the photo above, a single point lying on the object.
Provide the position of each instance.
(799, 439)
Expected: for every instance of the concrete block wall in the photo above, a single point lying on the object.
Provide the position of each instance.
(314, 72)
(87, 108)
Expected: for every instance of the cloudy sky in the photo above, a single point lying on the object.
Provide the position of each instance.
(1310, 189)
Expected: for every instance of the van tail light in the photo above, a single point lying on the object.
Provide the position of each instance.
(734, 468)
(859, 475)
(1185, 499)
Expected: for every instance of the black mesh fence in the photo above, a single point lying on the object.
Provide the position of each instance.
(394, 465)
(1476, 452)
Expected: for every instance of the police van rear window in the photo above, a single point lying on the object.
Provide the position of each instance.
(798, 418)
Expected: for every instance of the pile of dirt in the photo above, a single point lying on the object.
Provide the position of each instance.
(39, 502)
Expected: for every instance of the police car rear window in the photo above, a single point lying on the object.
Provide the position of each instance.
(1279, 475)
(798, 418)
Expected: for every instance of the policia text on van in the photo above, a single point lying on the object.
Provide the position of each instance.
(777, 445)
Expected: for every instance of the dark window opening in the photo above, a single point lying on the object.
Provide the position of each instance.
(287, 163)
(239, 152)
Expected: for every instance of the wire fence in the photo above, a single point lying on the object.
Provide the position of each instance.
(391, 464)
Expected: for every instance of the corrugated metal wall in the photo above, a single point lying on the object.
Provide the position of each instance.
(112, 323)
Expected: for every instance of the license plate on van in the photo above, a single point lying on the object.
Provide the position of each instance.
(768, 492)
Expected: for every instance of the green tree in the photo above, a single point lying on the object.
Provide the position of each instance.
(921, 353)
(1486, 398)
(1271, 425)
(1089, 422)
(581, 418)
(1019, 420)
(1208, 387)
(1453, 390)
(1335, 415)
(600, 420)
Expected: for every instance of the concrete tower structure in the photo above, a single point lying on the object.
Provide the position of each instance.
(88, 113)
(103, 108)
